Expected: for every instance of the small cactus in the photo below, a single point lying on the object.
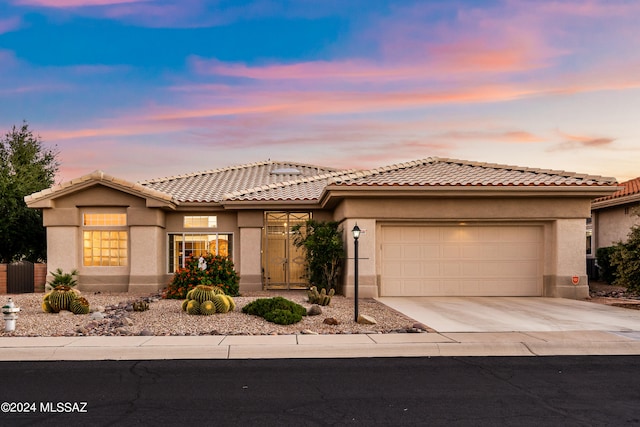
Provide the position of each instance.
(60, 298)
(193, 307)
(207, 308)
(232, 303)
(222, 303)
(79, 306)
(46, 307)
(184, 304)
(140, 306)
(320, 298)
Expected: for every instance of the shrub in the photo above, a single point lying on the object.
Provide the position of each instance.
(324, 251)
(62, 278)
(282, 317)
(607, 271)
(277, 310)
(219, 272)
(626, 260)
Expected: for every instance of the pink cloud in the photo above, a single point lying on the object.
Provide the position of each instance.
(74, 3)
(578, 142)
(9, 24)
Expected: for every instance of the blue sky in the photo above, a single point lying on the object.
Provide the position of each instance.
(150, 88)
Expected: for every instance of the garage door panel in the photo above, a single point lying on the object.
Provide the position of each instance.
(461, 260)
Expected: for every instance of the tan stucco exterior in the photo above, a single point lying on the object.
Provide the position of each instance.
(152, 216)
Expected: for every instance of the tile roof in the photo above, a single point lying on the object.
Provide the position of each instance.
(213, 185)
(98, 176)
(631, 188)
(436, 171)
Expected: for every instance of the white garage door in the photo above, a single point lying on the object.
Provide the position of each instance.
(461, 261)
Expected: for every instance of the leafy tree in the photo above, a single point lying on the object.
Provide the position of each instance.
(607, 271)
(26, 167)
(324, 251)
(626, 260)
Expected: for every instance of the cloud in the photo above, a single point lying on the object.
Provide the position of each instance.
(10, 24)
(577, 142)
(63, 4)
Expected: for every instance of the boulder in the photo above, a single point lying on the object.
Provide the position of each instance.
(363, 319)
(331, 321)
(314, 310)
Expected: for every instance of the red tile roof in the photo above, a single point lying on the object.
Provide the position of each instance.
(631, 188)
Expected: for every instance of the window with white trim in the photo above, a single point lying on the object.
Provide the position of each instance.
(186, 246)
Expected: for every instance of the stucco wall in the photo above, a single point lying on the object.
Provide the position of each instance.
(612, 225)
(563, 222)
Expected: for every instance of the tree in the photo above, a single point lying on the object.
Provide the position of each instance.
(26, 167)
(626, 260)
(324, 251)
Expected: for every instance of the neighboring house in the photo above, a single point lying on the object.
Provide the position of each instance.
(612, 218)
(432, 227)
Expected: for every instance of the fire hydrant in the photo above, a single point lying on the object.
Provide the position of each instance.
(10, 314)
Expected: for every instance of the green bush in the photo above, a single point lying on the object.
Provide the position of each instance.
(271, 309)
(282, 317)
(626, 260)
(220, 272)
(62, 278)
(607, 271)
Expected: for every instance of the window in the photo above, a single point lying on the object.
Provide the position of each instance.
(105, 248)
(105, 219)
(183, 247)
(209, 221)
(105, 240)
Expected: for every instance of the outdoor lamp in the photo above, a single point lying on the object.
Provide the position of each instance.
(356, 235)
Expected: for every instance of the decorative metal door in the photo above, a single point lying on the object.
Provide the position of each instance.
(283, 262)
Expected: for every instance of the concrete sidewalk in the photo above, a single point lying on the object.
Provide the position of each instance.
(531, 343)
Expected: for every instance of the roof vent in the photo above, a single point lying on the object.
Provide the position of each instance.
(286, 171)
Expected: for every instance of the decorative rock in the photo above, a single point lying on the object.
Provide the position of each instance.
(363, 319)
(308, 332)
(314, 310)
(420, 326)
(98, 308)
(330, 321)
(97, 315)
(65, 313)
(127, 321)
(145, 333)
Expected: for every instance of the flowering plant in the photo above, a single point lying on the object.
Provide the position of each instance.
(218, 271)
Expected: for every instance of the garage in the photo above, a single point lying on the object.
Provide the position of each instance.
(461, 260)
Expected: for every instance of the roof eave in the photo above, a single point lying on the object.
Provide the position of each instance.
(343, 191)
(618, 201)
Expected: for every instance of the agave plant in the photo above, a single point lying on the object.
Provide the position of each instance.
(62, 278)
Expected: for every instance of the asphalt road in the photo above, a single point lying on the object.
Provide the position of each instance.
(471, 391)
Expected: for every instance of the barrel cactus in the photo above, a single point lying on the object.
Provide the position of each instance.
(232, 303)
(202, 293)
(193, 307)
(208, 308)
(46, 307)
(184, 304)
(222, 304)
(79, 306)
(60, 298)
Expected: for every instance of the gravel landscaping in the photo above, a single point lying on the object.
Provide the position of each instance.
(165, 317)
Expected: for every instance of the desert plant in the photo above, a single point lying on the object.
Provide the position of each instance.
(193, 307)
(320, 298)
(60, 298)
(219, 272)
(222, 303)
(263, 306)
(606, 270)
(140, 306)
(282, 317)
(324, 251)
(207, 308)
(626, 260)
(60, 278)
(79, 306)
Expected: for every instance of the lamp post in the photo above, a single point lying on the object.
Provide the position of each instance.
(356, 235)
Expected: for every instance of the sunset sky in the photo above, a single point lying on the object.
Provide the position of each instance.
(149, 88)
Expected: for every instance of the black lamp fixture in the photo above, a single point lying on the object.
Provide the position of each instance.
(356, 235)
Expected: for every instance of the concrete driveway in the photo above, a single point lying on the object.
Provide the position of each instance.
(509, 314)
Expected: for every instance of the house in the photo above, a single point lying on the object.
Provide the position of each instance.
(432, 227)
(611, 219)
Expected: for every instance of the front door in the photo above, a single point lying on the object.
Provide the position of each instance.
(283, 262)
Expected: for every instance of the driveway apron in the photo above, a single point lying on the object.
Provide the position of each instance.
(509, 314)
